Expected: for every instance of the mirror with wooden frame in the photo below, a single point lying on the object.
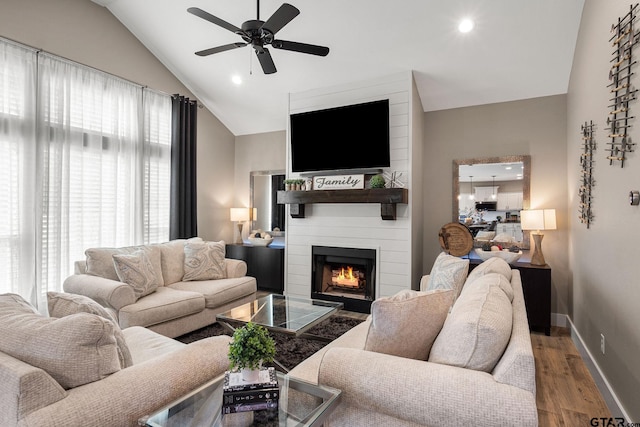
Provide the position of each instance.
(488, 195)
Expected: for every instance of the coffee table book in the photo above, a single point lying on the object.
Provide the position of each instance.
(233, 381)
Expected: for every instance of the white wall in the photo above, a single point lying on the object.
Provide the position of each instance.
(606, 288)
(357, 225)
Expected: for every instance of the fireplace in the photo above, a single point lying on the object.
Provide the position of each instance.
(345, 275)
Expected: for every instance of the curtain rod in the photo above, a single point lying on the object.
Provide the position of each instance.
(39, 50)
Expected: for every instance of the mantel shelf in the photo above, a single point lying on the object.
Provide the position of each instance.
(387, 197)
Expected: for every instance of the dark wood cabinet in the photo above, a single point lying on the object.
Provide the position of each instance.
(536, 285)
(264, 263)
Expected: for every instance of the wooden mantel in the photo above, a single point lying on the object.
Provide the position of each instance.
(387, 197)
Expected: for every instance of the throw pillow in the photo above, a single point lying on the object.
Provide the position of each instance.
(491, 279)
(65, 304)
(100, 261)
(407, 323)
(204, 261)
(478, 329)
(141, 270)
(448, 272)
(74, 350)
(492, 265)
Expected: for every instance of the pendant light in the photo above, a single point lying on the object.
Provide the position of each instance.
(471, 195)
(493, 187)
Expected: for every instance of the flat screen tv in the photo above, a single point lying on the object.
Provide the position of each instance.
(342, 138)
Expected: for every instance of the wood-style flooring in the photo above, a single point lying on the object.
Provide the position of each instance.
(566, 392)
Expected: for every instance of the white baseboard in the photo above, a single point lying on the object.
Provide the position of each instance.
(600, 379)
(559, 320)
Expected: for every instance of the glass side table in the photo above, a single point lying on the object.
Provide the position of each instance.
(300, 404)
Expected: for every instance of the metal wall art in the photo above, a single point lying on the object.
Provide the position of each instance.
(623, 39)
(586, 179)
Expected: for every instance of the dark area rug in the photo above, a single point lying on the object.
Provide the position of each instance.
(290, 351)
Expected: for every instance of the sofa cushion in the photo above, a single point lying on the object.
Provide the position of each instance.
(146, 344)
(491, 265)
(204, 261)
(448, 272)
(64, 304)
(141, 270)
(100, 261)
(407, 323)
(477, 330)
(74, 350)
(219, 292)
(162, 305)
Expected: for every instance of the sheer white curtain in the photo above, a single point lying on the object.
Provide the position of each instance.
(17, 166)
(84, 162)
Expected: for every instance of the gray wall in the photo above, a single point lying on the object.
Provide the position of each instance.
(606, 288)
(536, 127)
(85, 32)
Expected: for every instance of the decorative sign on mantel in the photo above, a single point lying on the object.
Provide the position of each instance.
(338, 182)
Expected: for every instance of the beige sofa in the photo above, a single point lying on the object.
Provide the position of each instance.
(175, 306)
(384, 389)
(81, 369)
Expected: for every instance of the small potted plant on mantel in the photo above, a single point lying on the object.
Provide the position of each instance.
(250, 348)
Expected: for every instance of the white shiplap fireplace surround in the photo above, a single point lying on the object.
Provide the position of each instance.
(398, 243)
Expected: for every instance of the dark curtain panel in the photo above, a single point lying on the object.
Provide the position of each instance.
(184, 222)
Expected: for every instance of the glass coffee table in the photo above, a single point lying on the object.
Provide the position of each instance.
(283, 314)
(300, 404)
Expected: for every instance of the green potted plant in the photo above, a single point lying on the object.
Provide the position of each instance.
(377, 181)
(251, 347)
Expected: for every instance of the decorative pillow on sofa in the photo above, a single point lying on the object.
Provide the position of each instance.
(141, 270)
(407, 323)
(478, 329)
(204, 261)
(65, 304)
(491, 265)
(74, 350)
(494, 279)
(448, 272)
(100, 260)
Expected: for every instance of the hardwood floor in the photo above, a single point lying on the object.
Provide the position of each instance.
(566, 392)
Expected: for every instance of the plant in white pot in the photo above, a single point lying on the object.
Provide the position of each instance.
(251, 347)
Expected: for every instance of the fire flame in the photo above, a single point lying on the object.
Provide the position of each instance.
(346, 277)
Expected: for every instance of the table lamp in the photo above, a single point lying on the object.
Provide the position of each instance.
(538, 219)
(239, 215)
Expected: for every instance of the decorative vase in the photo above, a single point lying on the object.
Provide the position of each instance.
(287, 187)
(250, 375)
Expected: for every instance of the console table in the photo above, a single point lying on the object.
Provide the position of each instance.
(536, 285)
(265, 263)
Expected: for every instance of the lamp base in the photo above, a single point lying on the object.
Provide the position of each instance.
(239, 239)
(537, 258)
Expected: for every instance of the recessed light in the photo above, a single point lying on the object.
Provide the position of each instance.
(236, 79)
(465, 25)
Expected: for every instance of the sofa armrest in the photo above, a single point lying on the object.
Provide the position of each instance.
(127, 395)
(424, 282)
(106, 292)
(235, 268)
(423, 392)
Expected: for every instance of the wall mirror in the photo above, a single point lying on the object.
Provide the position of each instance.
(263, 198)
(488, 195)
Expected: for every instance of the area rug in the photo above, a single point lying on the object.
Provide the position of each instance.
(290, 351)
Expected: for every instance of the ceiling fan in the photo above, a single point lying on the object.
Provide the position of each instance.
(259, 34)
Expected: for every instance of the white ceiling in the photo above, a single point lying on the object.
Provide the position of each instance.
(486, 172)
(519, 49)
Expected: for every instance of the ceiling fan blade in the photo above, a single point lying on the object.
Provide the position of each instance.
(213, 19)
(219, 49)
(266, 61)
(311, 49)
(280, 18)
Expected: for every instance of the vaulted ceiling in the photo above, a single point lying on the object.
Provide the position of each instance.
(518, 49)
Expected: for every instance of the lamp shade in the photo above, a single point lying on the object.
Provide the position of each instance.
(538, 219)
(239, 214)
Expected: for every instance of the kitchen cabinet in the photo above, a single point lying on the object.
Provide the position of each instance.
(485, 194)
(512, 229)
(509, 201)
